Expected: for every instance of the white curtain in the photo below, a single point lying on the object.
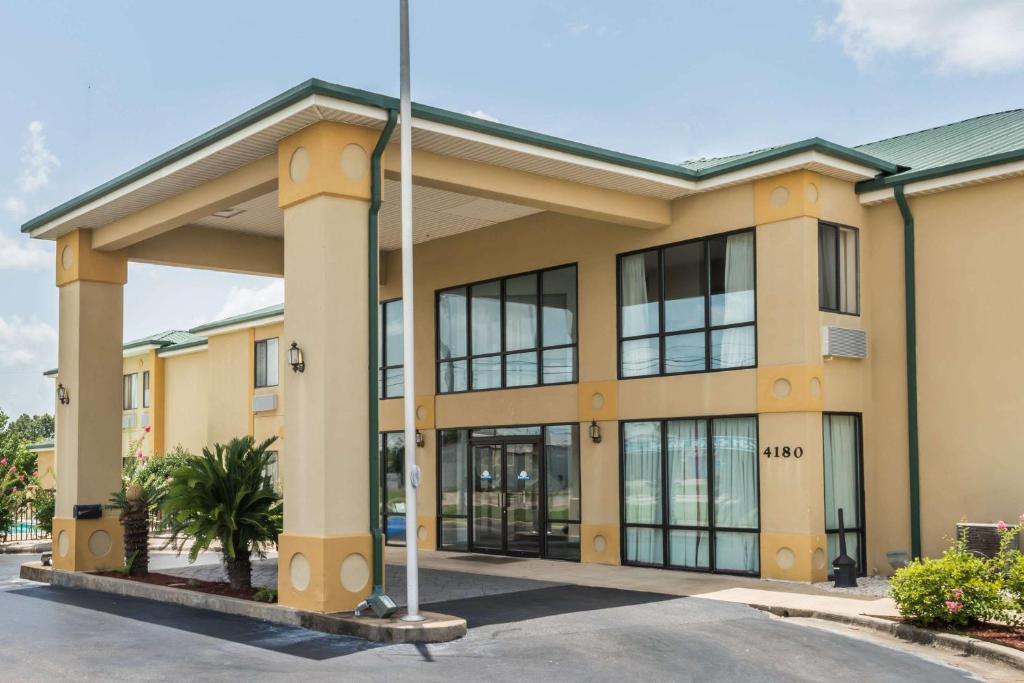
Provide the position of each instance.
(840, 435)
(639, 314)
(737, 344)
(452, 325)
(486, 312)
(848, 280)
(688, 472)
(735, 467)
(642, 486)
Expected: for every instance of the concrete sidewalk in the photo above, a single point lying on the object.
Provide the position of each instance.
(738, 589)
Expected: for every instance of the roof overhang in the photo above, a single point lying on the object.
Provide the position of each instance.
(942, 178)
(256, 133)
(236, 325)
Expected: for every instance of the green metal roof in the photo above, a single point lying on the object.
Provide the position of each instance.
(259, 314)
(163, 339)
(41, 446)
(318, 87)
(199, 341)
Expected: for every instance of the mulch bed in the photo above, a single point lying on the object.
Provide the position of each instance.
(214, 587)
(999, 634)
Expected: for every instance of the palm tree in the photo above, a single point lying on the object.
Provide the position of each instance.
(225, 495)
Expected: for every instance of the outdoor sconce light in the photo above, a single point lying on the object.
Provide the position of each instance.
(295, 358)
(595, 431)
(62, 394)
(420, 441)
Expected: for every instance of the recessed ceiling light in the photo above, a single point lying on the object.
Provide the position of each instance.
(228, 213)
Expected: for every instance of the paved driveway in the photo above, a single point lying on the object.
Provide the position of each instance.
(535, 632)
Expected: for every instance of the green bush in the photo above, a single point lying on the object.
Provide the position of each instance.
(44, 504)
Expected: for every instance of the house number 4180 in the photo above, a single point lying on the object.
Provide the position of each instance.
(783, 452)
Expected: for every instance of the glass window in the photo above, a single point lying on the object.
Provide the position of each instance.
(391, 350)
(266, 363)
(688, 307)
(844, 485)
(130, 391)
(393, 487)
(838, 269)
(272, 471)
(145, 389)
(513, 332)
(707, 462)
(452, 488)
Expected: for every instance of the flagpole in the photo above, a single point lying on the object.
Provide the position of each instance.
(408, 335)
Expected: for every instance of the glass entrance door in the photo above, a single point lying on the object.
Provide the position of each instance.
(506, 497)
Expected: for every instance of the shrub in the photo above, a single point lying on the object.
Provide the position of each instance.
(265, 595)
(13, 495)
(223, 495)
(44, 505)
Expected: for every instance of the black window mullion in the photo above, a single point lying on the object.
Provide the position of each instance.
(503, 348)
(707, 304)
(709, 429)
(664, 494)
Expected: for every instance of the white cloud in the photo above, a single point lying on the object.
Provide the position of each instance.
(481, 114)
(975, 36)
(38, 162)
(244, 299)
(23, 254)
(26, 343)
(15, 206)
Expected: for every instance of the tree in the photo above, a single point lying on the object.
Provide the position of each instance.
(225, 495)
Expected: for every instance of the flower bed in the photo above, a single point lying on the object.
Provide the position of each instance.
(212, 587)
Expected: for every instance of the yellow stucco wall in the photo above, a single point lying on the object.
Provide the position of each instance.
(141, 416)
(186, 400)
(230, 373)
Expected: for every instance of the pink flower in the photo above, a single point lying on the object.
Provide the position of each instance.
(138, 453)
(1021, 518)
(1001, 525)
(12, 470)
(4, 462)
(21, 477)
(149, 428)
(956, 594)
(953, 606)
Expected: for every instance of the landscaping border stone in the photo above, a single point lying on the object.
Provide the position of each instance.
(437, 628)
(915, 634)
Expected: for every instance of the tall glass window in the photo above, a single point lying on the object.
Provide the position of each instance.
(838, 269)
(393, 487)
(145, 389)
(689, 494)
(844, 485)
(513, 332)
(390, 351)
(688, 307)
(452, 486)
(130, 391)
(266, 363)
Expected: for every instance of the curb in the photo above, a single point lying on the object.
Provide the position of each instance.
(915, 634)
(12, 548)
(438, 628)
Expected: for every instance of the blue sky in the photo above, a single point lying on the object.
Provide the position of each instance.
(92, 89)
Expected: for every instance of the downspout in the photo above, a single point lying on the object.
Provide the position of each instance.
(373, 297)
(910, 306)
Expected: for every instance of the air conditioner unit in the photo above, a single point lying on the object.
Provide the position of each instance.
(844, 342)
(982, 539)
(264, 403)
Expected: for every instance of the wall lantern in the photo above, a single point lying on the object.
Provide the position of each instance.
(295, 358)
(420, 441)
(595, 431)
(62, 394)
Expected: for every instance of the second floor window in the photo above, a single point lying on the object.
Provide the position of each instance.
(130, 391)
(838, 269)
(688, 307)
(512, 332)
(145, 389)
(392, 381)
(266, 363)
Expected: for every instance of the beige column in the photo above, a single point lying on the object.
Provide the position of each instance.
(324, 188)
(790, 393)
(88, 443)
(599, 472)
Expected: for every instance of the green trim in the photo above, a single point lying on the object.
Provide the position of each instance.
(182, 346)
(910, 303)
(43, 446)
(50, 373)
(939, 171)
(261, 314)
(143, 342)
(372, 300)
(464, 121)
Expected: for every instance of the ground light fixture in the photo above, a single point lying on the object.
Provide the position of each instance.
(295, 358)
(595, 431)
(62, 394)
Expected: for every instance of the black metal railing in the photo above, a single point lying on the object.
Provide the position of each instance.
(25, 527)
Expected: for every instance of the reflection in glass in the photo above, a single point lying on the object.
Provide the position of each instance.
(689, 548)
(522, 492)
(639, 293)
(521, 369)
(642, 472)
(486, 312)
(688, 472)
(732, 278)
(487, 372)
(452, 324)
(487, 492)
(733, 347)
(684, 287)
(563, 472)
(452, 376)
(559, 365)
(394, 488)
(521, 313)
(684, 352)
(641, 357)
(559, 306)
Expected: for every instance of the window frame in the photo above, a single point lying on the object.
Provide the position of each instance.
(382, 441)
(839, 227)
(130, 400)
(145, 389)
(661, 334)
(665, 527)
(503, 353)
(544, 521)
(256, 359)
(382, 366)
(861, 528)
